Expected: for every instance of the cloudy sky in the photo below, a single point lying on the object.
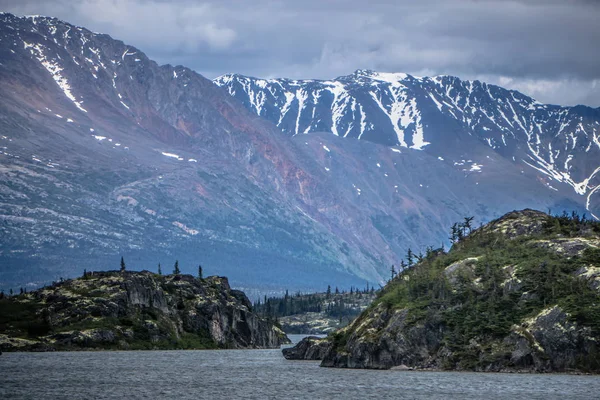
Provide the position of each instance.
(549, 49)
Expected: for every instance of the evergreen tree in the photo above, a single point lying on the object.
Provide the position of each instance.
(428, 251)
(410, 257)
(176, 269)
(337, 291)
(200, 271)
(393, 270)
(460, 232)
(419, 257)
(467, 223)
(159, 269)
(11, 291)
(1, 294)
(84, 273)
(122, 264)
(454, 233)
(328, 295)
(402, 267)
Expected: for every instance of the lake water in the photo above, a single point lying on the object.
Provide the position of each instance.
(256, 374)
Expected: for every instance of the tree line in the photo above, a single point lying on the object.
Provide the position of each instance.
(458, 231)
(122, 268)
(334, 303)
(176, 269)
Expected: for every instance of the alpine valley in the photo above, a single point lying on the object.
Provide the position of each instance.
(274, 183)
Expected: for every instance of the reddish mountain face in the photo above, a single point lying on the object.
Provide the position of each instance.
(105, 153)
(441, 115)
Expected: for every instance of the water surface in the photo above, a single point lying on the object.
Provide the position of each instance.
(256, 374)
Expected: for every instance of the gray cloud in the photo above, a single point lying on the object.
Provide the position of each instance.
(547, 49)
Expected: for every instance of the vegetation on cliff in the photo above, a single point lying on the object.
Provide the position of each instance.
(134, 310)
(521, 293)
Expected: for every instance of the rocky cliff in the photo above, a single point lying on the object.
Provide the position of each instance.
(134, 310)
(519, 294)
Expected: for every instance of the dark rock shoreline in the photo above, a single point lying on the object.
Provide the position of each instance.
(309, 348)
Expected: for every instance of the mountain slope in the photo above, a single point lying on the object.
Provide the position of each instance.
(440, 115)
(105, 153)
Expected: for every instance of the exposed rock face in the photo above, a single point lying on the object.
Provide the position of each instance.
(498, 301)
(309, 348)
(122, 310)
(459, 269)
(518, 223)
(568, 247)
(550, 342)
(396, 343)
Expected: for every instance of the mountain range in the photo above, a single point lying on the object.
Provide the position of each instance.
(442, 115)
(275, 183)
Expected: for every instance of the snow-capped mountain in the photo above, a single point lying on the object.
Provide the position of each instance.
(104, 153)
(439, 115)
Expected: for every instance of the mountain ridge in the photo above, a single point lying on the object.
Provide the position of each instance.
(163, 164)
(438, 115)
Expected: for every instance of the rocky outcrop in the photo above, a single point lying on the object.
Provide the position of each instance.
(384, 339)
(517, 223)
(510, 297)
(460, 269)
(568, 247)
(309, 348)
(548, 342)
(134, 310)
(551, 342)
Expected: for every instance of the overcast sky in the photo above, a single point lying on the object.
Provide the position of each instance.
(548, 49)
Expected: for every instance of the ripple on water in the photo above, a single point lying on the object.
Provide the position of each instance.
(256, 374)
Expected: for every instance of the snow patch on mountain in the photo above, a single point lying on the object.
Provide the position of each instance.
(401, 110)
(172, 155)
(52, 66)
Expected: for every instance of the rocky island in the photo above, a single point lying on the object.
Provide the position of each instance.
(520, 294)
(134, 310)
